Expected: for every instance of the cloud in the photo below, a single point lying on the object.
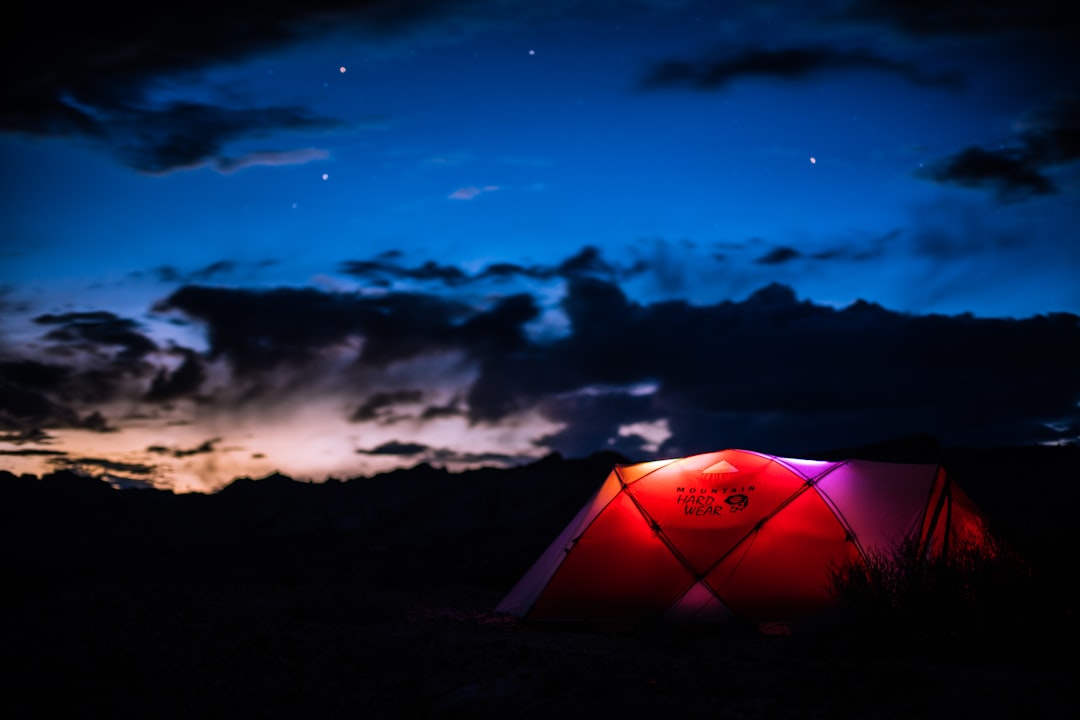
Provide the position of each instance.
(90, 331)
(382, 271)
(594, 419)
(443, 455)
(471, 192)
(201, 449)
(447, 455)
(111, 465)
(769, 372)
(95, 422)
(1017, 170)
(395, 447)
(27, 435)
(33, 452)
(1041, 18)
(188, 135)
(782, 374)
(451, 409)
(81, 73)
(779, 256)
(797, 63)
(25, 402)
(269, 159)
(184, 381)
(258, 330)
(170, 274)
(372, 408)
(388, 268)
(1010, 173)
(216, 268)
(860, 250)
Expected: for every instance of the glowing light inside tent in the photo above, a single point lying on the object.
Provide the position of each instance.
(735, 531)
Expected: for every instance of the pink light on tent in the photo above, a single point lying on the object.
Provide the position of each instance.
(734, 532)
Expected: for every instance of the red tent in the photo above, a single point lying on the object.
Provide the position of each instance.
(735, 533)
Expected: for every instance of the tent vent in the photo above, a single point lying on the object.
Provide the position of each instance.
(720, 468)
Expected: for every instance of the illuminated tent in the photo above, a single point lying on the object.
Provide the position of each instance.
(735, 534)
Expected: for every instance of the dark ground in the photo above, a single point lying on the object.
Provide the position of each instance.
(373, 598)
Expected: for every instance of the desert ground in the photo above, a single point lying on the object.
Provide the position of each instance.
(374, 597)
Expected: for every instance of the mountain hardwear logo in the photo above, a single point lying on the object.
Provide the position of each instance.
(702, 501)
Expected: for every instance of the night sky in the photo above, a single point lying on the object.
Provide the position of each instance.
(334, 238)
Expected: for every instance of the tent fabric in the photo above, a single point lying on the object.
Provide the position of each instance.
(735, 533)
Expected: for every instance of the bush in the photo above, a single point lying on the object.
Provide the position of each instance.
(965, 601)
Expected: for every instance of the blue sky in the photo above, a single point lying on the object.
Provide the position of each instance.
(350, 236)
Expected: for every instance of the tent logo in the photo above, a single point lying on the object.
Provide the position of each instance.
(737, 502)
(702, 501)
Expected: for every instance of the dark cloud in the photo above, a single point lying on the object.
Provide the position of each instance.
(372, 408)
(777, 373)
(33, 452)
(779, 256)
(382, 271)
(423, 453)
(91, 330)
(261, 330)
(185, 135)
(36, 395)
(592, 421)
(170, 274)
(1010, 173)
(853, 250)
(96, 422)
(203, 448)
(963, 17)
(97, 355)
(28, 435)
(80, 71)
(500, 329)
(434, 412)
(1018, 170)
(25, 402)
(110, 465)
(33, 375)
(587, 262)
(184, 381)
(769, 372)
(794, 64)
(395, 447)
(446, 455)
(218, 268)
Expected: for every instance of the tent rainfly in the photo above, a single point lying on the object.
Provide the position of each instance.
(735, 533)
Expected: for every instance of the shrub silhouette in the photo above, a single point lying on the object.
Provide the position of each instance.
(960, 602)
